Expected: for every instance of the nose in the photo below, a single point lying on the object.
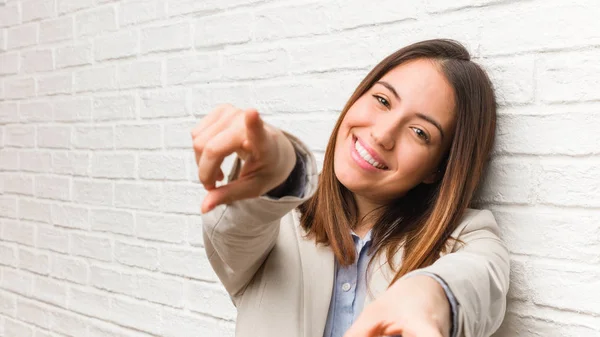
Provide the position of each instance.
(383, 136)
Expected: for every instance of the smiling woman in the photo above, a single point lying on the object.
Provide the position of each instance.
(382, 242)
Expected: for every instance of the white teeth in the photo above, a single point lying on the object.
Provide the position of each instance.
(366, 156)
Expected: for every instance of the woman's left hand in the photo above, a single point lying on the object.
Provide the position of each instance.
(413, 307)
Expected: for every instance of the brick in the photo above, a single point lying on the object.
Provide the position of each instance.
(314, 132)
(314, 94)
(57, 137)
(35, 112)
(210, 299)
(120, 107)
(89, 303)
(38, 9)
(194, 69)
(69, 269)
(509, 180)
(8, 304)
(53, 239)
(9, 63)
(195, 235)
(56, 29)
(166, 38)
(439, 6)
(71, 163)
(17, 281)
(317, 55)
(33, 261)
(18, 183)
(20, 136)
(18, 231)
(139, 11)
(533, 27)
(95, 79)
(142, 74)
(95, 21)
(255, 64)
(2, 39)
(70, 216)
(35, 210)
(113, 165)
(16, 328)
(543, 134)
(99, 248)
(105, 330)
(138, 136)
(72, 110)
(573, 189)
(35, 161)
(93, 192)
(177, 7)
(112, 221)
(21, 36)
(9, 160)
(164, 103)
(183, 198)
(178, 135)
(187, 263)
(19, 88)
(8, 257)
(207, 97)
(9, 15)
(65, 6)
(137, 315)
(236, 31)
(93, 137)
(514, 324)
(68, 324)
(33, 312)
(73, 55)
(117, 45)
(160, 289)
(142, 256)
(568, 286)
(113, 280)
(568, 77)
(8, 113)
(162, 167)
(166, 228)
(146, 195)
(52, 187)
(55, 84)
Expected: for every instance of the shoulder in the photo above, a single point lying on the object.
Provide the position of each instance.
(477, 221)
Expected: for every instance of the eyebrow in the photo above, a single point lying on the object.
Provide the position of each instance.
(420, 115)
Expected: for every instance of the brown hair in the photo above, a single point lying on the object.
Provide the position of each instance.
(423, 219)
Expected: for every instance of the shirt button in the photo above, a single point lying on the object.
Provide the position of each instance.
(346, 286)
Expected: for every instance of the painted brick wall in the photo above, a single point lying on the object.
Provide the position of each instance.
(99, 200)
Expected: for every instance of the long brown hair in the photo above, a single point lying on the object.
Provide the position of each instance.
(423, 219)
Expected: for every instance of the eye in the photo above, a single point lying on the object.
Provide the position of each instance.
(421, 134)
(382, 101)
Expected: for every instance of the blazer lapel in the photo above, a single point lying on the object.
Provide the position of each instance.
(317, 269)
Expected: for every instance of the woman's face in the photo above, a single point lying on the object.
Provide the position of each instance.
(395, 135)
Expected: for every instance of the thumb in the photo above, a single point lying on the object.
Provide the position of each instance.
(256, 134)
(236, 190)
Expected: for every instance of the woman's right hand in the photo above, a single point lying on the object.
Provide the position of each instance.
(268, 155)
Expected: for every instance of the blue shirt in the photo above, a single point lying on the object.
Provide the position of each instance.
(350, 288)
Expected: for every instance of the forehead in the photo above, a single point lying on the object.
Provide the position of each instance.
(423, 88)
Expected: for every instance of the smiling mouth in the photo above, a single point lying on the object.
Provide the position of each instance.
(364, 155)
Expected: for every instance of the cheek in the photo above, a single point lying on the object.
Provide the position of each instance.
(414, 161)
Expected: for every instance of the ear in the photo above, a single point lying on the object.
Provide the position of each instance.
(434, 177)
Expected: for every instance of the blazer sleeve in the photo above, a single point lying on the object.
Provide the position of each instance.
(477, 273)
(239, 236)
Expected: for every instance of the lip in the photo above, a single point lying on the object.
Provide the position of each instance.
(371, 151)
(360, 161)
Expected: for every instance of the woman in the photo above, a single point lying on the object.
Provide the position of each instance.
(382, 241)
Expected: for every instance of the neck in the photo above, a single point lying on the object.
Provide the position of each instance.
(365, 207)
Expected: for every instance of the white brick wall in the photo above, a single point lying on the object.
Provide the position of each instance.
(100, 233)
